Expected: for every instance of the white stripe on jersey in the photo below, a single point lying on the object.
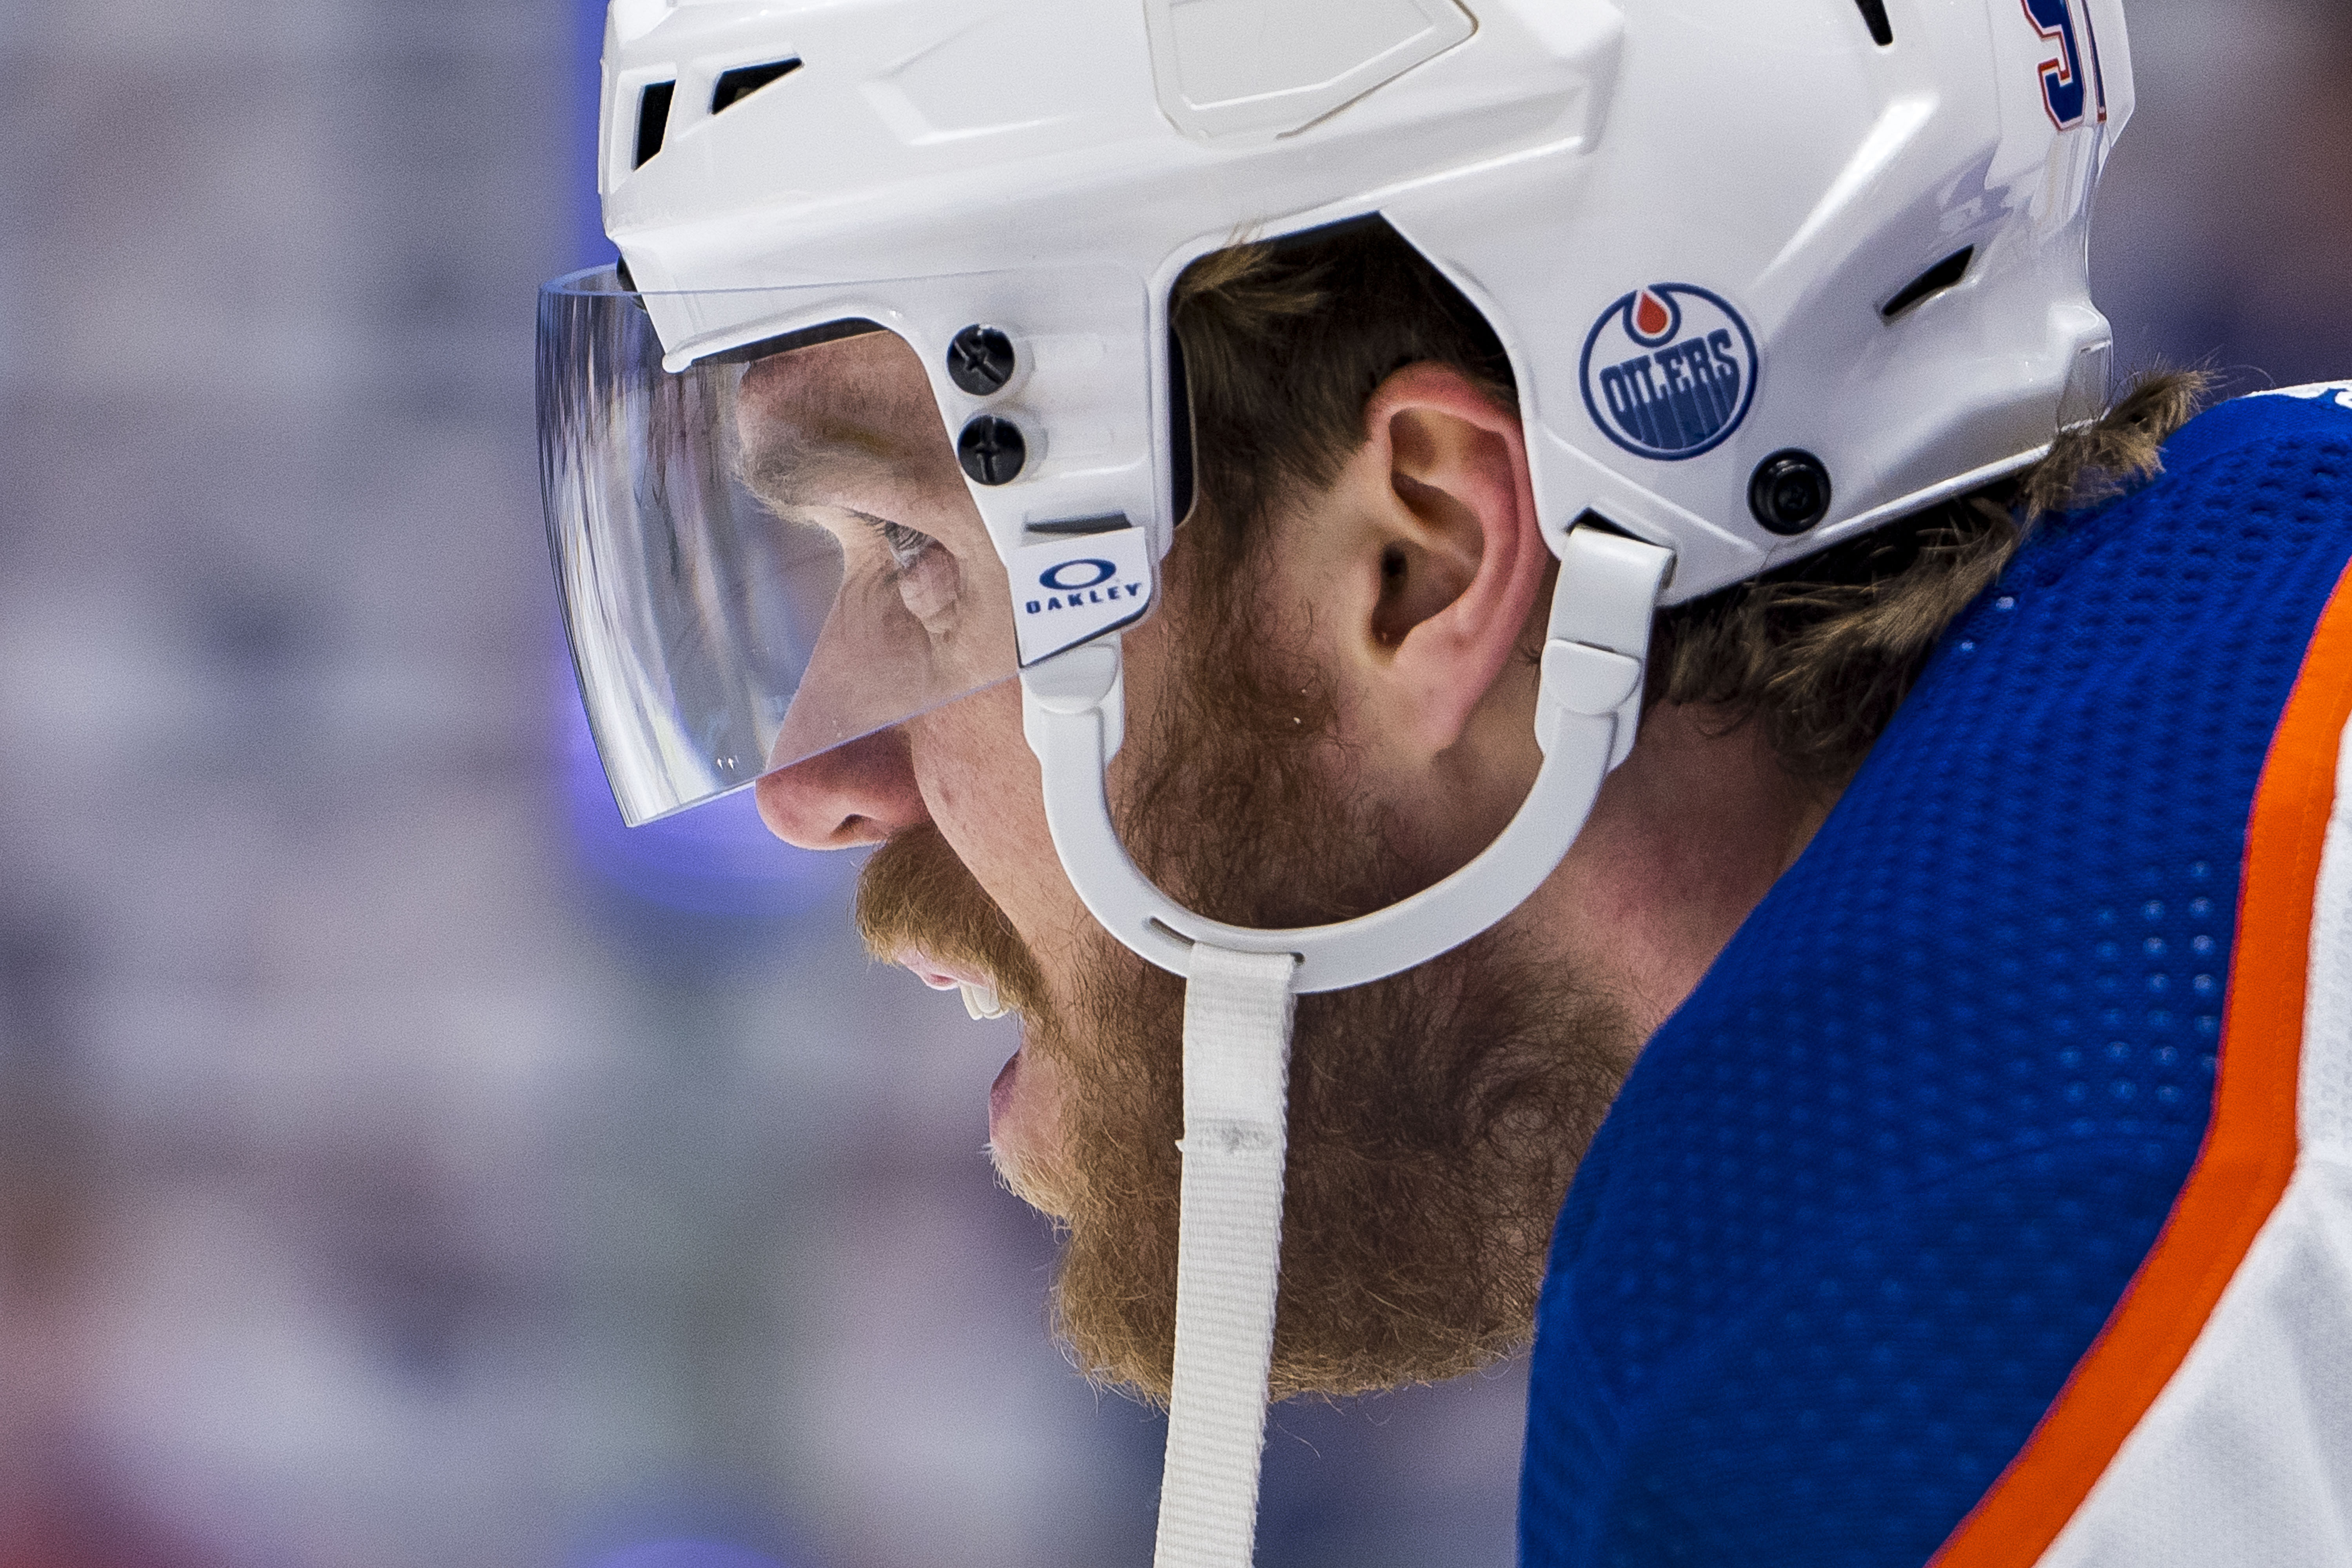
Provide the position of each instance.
(2246, 1456)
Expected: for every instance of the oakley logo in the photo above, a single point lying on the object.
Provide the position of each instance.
(1069, 589)
(1074, 584)
(1058, 577)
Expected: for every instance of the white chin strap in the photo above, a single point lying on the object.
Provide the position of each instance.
(1242, 985)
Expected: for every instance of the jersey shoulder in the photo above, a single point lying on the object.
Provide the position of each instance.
(2249, 488)
(1869, 1198)
(2335, 393)
(2286, 415)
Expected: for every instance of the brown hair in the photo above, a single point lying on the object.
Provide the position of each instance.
(1284, 342)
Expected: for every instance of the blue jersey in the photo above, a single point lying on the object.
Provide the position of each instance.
(2003, 1160)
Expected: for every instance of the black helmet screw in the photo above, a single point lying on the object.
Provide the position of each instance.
(1790, 491)
(991, 450)
(981, 360)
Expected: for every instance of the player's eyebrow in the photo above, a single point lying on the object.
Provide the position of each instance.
(776, 474)
(795, 467)
(789, 472)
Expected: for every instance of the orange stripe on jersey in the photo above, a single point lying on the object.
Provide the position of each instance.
(2250, 1144)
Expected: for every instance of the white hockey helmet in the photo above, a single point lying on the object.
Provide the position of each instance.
(1769, 273)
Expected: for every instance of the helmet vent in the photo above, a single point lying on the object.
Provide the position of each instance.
(744, 80)
(653, 120)
(1935, 280)
(1874, 12)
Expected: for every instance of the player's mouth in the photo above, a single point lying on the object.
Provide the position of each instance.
(1001, 1101)
(1014, 1130)
(980, 993)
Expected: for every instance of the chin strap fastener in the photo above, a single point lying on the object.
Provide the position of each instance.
(1599, 638)
(1592, 683)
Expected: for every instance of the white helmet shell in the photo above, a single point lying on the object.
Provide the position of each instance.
(1711, 233)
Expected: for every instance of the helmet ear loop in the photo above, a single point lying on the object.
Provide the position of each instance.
(1588, 708)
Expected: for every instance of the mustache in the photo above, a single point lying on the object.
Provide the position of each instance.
(914, 891)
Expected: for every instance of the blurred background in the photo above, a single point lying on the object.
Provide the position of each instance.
(400, 1164)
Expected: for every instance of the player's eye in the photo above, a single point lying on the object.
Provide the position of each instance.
(906, 545)
(924, 570)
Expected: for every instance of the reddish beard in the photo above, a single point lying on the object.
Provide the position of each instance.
(1435, 1116)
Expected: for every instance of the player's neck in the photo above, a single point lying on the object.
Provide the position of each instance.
(1689, 834)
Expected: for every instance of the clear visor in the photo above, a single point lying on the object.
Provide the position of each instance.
(762, 556)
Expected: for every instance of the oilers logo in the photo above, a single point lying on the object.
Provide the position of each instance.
(1669, 372)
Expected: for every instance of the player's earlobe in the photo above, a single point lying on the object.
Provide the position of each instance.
(1450, 563)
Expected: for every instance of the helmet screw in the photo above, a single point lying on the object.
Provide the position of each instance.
(1790, 491)
(991, 450)
(981, 360)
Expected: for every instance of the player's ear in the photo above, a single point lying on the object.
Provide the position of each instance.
(1443, 563)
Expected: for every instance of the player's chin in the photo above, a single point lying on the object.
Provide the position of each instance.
(1039, 1183)
(1025, 1140)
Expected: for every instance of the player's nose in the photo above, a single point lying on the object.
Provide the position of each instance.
(861, 792)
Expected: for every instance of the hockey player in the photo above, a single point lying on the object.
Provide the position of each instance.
(1659, 591)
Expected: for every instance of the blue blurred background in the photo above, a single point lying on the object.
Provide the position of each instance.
(399, 1163)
